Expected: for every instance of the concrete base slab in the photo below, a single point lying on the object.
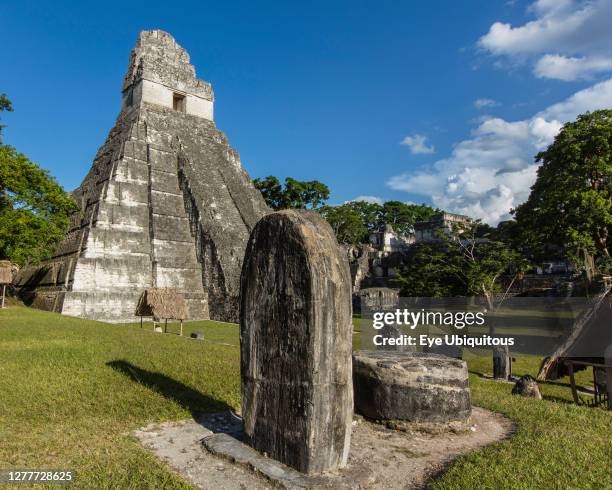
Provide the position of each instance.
(209, 453)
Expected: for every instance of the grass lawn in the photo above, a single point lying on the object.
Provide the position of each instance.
(71, 392)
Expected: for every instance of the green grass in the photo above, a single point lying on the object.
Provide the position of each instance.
(72, 391)
(557, 443)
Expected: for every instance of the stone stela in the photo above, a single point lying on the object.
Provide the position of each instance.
(295, 340)
(166, 203)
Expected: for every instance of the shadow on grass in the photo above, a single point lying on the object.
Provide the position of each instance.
(197, 403)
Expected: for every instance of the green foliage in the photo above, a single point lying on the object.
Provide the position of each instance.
(347, 223)
(464, 262)
(352, 221)
(355, 220)
(431, 272)
(570, 204)
(370, 214)
(402, 216)
(296, 194)
(5, 105)
(33, 208)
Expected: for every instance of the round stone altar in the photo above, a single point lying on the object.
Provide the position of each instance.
(411, 386)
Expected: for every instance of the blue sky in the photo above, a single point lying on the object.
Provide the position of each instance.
(328, 90)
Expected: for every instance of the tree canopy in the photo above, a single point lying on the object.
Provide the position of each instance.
(347, 223)
(460, 263)
(295, 194)
(570, 204)
(5, 106)
(402, 216)
(355, 220)
(33, 207)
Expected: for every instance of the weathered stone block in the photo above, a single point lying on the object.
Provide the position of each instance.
(172, 228)
(173, 254)
(164, 182)
(183, 279)
(130, 170)
(162, 160)
(159, 139)
(128, 193)
(103, 242)
(120, 217)
(135, 149)
(295, 339)
(415, 386)
(168, 204)
(111, 306)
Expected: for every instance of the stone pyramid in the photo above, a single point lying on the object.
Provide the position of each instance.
(166, 203)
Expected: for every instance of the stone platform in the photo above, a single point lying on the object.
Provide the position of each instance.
(411, 386)
(209, 454)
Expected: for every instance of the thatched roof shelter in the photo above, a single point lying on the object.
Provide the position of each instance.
(160, 303)
(6, 272)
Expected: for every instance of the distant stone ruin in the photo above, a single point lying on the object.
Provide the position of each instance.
(377, 263)
(166, 203)
(295, 341)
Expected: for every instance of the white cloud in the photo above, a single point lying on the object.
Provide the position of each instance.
(499, 127)
(482, 103)
(598, 96)
(492, 171)
(417, 144)
(570, 39)
(370, 199)
(570, 68)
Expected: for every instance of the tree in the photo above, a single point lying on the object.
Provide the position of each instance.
(355, 220)
(296, 194)
(570, 204)
(33, 207)
(402, 216)
(482, 259)
(271, 190)
(347, 223)
(371, 215)
(459, 263)
(430, 273)
(5, 105)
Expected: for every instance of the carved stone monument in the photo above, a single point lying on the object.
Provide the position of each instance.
(166, 203)
(295, 340)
